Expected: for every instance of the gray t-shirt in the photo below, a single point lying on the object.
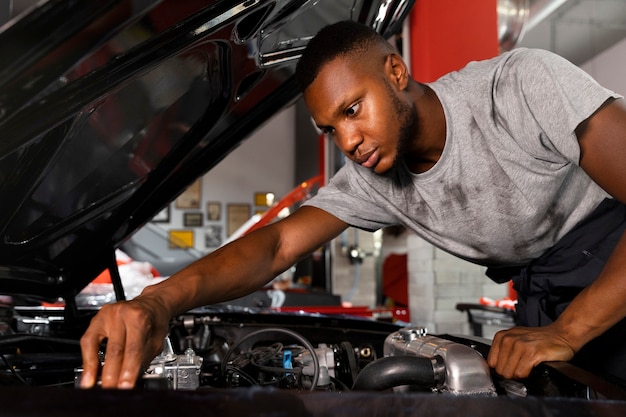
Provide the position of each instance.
(508, 184)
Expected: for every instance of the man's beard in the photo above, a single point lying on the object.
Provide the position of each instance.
(409, 125)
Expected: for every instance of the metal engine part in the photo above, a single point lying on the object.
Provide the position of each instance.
(171, 371)
(167, 371)
(466, 371)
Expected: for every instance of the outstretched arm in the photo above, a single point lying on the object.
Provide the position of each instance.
(515, 352)
(135, 329)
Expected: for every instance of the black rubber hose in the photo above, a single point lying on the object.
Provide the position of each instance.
(392, 371)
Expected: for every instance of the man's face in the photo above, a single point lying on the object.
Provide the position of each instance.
(364, 113)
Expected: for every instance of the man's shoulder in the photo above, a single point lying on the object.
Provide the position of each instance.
(516, 60)
(533, 57)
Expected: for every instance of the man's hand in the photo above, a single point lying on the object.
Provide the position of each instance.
(134, 330)
(515, 352)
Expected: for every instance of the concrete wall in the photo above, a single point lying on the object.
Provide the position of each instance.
(438, 281)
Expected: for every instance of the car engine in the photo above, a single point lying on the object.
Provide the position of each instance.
(216, 348)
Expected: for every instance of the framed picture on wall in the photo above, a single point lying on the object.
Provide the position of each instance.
(190, 198)
(181, 239)
(213, 210)
(238, 214)
(213, 236)
(162, 216)
(192, 219)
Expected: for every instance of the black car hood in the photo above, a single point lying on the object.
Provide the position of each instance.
(109, 109)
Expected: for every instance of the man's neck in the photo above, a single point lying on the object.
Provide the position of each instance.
(431, 137)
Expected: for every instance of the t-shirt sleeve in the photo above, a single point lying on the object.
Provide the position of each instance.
(350, 198)
(548, 97)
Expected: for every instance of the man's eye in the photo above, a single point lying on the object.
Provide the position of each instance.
(352, 110)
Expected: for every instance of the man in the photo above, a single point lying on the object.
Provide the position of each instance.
(495, 163)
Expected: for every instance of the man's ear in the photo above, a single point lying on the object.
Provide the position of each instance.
(397, 71)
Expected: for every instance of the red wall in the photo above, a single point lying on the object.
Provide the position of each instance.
(447, 34)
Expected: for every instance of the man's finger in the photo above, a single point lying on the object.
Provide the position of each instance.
(511, 362)
(505, 355)
(89, 344)
(492, 358)
(114, 357)
(133, 359)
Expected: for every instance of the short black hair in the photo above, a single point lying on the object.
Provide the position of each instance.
(341, 38)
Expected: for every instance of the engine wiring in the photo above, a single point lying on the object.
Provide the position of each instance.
(270, 360)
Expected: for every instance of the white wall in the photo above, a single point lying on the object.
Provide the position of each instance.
(262, 163)
(609, 67)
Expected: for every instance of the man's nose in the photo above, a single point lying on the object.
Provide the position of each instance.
(348, 140)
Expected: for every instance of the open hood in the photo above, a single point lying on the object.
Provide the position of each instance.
(111, 108)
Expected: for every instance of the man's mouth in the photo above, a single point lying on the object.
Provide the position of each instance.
(368, 160)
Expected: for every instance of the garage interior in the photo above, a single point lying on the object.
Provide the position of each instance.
(590, 33)
(141, 135)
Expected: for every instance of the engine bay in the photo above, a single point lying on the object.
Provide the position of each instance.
(216, 348)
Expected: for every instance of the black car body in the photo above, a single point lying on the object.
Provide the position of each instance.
(108, 110)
